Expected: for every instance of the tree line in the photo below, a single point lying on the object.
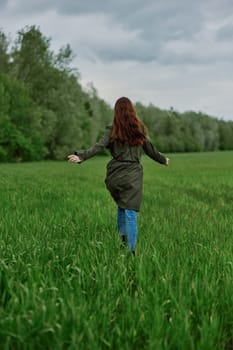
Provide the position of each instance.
(45, 113)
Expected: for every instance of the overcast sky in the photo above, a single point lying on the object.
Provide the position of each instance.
(172, 53)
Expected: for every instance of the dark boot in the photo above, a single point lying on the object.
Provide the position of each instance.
(123, 241)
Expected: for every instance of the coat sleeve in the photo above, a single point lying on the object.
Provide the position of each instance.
(97, 147)
(153, 153)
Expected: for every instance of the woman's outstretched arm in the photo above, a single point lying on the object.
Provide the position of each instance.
(82, 155)
(154, 154)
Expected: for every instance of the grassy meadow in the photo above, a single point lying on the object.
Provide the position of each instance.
(66, 284)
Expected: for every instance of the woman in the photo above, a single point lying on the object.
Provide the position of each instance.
(125, 139)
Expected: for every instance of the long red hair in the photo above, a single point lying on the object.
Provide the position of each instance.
(127, 127)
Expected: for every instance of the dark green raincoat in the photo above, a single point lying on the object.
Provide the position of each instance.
(124, 171)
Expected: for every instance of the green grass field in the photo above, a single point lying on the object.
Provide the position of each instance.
(65, 284)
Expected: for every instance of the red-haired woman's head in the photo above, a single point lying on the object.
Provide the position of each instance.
(126, 125)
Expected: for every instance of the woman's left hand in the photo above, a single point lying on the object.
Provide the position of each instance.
(72, 158)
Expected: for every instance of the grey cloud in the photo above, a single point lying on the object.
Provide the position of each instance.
(120, 7)
(156, 20)
(225, 33)
(73, 7)
(3, 3)
(140, 53)
(157, 23)
(164, 18)
(191, 59)
(218, 8)
(25, 7)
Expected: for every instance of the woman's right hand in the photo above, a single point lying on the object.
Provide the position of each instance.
(72, 158)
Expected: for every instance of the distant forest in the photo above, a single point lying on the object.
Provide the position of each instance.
(45, 113)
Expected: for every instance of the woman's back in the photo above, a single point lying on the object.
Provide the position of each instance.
(124, 152)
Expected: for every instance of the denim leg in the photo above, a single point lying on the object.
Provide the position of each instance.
(131, 228)
(121, 221)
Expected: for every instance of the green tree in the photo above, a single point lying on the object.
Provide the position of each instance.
(4, 55)
(225, 135)
(19, 137)
(54, 88)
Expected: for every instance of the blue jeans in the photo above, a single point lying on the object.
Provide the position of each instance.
(127, 225)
